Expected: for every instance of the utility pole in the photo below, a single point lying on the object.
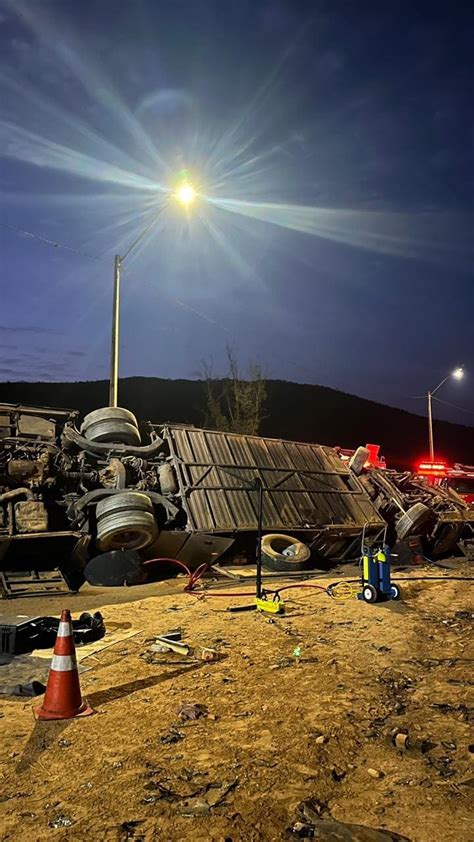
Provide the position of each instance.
(430, 427)
(114, 354)
(458, 374)
(184, 195)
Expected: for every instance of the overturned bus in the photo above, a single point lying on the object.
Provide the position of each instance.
(72, 491)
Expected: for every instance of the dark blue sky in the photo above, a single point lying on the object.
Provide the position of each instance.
(332, 143)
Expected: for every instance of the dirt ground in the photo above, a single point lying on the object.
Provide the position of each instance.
(279, 729)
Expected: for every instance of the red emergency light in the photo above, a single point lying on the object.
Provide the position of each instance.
(432, 469)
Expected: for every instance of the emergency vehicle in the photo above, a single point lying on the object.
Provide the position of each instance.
(458, 477)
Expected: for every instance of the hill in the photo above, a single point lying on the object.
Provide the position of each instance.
(293, 411)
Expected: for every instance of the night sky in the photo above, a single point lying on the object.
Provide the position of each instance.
(331, 144)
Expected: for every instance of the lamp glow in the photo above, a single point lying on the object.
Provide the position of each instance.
(458, 373)
(185, 194)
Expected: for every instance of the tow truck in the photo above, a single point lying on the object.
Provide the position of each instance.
(461, 478)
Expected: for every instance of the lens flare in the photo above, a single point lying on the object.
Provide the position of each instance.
(186, 194)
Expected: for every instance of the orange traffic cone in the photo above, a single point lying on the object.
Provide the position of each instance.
(62, 699)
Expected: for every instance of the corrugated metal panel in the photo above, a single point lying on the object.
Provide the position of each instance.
(307, 487)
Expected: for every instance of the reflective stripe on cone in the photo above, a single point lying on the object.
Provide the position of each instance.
(63, 663)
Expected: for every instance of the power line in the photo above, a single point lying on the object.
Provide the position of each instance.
(454, 406)
(49, 242)
(55, 244)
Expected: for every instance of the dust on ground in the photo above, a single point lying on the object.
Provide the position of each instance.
(279, 728)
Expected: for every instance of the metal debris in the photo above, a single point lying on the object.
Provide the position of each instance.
(217, 793)
(194, 807)
(197, 802)
(128, 829)
(164, 645)
(309, 825)
(60, 821)
(161, 792)
(205, 654)
(173, 736)
(192, 711)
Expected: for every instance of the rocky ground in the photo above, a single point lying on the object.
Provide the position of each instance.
(296, 730)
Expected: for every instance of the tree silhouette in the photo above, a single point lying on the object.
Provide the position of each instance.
(235, 403)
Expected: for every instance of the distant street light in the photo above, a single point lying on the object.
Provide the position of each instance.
(185, 195)
(457, 374)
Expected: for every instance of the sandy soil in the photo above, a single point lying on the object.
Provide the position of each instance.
(277, 731)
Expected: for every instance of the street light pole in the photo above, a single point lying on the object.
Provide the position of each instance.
(458, 374)
(185, 194)
(430, 427)
(114, 353)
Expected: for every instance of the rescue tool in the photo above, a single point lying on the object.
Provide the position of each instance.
(275, 605)
(376, 581)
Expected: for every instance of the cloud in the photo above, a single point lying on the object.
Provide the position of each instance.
(17, 374)
(22, 48)
(29, 366)
(26, 329)
(331, 61)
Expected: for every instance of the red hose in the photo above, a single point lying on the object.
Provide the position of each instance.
(199, 572)
(171, 561)
(193, 577)
(236, 593)
(180, 564)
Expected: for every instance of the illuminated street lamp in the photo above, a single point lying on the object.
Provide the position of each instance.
(185, 195)
(457, 374)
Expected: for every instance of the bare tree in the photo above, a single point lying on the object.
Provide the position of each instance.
(235, 403)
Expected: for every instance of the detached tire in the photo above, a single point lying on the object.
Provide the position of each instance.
(414, 519)
(125, 522)
(273, 557)
(114, 424)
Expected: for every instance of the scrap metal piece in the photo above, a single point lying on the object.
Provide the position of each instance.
(173, 645)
